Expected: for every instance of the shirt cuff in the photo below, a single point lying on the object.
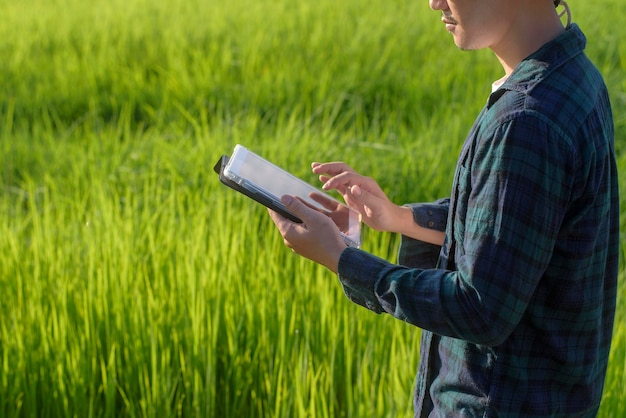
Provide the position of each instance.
(417, 254)
(358, 274)
(431, 215)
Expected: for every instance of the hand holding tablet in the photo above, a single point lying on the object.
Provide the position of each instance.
(259, 179)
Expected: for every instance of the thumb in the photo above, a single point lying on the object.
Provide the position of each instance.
(361, 196)
(365, 202)
(295, 206)
(356, 191)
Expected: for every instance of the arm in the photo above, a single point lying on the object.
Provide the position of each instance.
(418, 253)
(318, 238)
(515, 192)
(377, 211)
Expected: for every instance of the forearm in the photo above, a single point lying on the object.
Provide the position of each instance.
(424, 222)
(427, 298)
(407, 226)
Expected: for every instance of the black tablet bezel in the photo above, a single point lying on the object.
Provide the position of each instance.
(255, 195)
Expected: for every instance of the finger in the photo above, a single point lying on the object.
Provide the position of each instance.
(332, 168)
(344, 180)
(297, 207)
(363, 197)
(282, 224)
(367, 203)
(325, 201)
(355, 201)
(324, 179)
(311, 205)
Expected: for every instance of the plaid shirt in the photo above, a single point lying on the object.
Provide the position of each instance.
(517, 307)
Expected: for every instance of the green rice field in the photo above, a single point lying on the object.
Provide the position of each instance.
(134, 284)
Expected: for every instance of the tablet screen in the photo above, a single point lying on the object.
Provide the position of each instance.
(252, 171)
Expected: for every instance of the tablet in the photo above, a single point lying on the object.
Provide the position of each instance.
(259, 179)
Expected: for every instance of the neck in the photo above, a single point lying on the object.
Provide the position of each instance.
(536, 26)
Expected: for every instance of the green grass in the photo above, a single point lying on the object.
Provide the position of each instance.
(134, 284)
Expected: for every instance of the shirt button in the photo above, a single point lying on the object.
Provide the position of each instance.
(431, 224)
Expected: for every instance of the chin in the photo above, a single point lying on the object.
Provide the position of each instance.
(464, 45)
(465, 42)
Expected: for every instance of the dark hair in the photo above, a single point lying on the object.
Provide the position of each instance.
(556, 3)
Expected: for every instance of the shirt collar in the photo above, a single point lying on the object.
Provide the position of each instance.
(546, 59)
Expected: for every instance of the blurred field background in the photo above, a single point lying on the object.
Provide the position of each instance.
(135, 285)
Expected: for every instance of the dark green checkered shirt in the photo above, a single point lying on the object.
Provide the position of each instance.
(517, 307)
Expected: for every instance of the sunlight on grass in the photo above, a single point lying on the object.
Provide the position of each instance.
(135, 284)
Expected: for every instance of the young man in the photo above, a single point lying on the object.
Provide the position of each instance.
(513, 278)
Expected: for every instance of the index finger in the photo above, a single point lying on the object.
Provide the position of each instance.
(342, 182)
(331, 168)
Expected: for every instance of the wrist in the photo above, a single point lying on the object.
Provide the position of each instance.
(403, 220)
(334, 256)
(407, 226)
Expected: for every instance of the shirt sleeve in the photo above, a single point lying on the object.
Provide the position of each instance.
(413, 253)
(416, 253)
(514, 194)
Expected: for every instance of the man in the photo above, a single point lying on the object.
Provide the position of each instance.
(518, 310)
